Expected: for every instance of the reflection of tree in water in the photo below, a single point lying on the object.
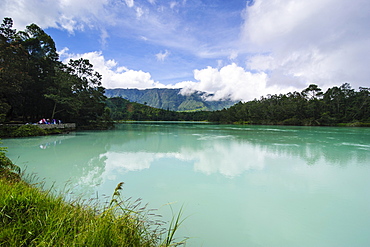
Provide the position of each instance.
(232, 150)
(61, 158)
(89, 158)
(333, 146)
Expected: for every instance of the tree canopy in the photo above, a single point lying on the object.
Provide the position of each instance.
(309, 107)
(35, 84)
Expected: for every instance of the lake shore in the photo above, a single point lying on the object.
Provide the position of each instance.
(32, 216)
(24, 130)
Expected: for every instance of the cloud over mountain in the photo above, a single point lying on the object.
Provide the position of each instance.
(241, 49)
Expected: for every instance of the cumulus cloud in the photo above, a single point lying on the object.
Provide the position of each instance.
(229, 82)
(114, 76)
(319, 41)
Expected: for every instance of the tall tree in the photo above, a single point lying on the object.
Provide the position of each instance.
(88, 92)
(13, 71)
(43, 59)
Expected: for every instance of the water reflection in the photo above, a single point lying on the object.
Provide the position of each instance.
(95, 157)
(229, 152)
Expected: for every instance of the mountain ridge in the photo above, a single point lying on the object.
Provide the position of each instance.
(169, 99)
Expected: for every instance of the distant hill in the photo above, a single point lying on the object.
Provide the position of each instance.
(171, 99)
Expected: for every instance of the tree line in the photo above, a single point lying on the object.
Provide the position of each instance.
(338, 105)
(36, 85)
(310, 107)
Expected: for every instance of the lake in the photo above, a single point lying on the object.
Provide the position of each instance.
(238, 185)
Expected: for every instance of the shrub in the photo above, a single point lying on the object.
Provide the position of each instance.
(29, 130)
(8, 170)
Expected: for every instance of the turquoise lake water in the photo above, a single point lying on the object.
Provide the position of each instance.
(239, 185)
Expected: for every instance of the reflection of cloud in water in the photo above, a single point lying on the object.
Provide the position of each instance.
(124, 162)
(227, 153)
(229, 160)
(212, 158)
(213, 137)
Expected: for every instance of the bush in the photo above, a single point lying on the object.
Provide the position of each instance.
(29, 130)
(8, 170)
(292, 121)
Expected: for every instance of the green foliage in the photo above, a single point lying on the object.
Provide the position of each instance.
(30, 217)
(35, 85)
(26, 130)
(29, 130)
(310, 107)
(6, 165)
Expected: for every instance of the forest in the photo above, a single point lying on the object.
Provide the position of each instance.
(34, 84)
(311, 107)
(338, 105)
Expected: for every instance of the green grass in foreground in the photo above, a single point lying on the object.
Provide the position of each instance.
(32, 217)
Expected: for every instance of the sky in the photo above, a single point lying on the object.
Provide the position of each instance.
(237, 49)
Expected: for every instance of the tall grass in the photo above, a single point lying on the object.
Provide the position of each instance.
(33, 217)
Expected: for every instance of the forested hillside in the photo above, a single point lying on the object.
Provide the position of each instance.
(35, 85)
(122, 109)
(309, 107)
(169, 99)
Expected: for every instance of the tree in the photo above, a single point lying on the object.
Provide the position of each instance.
(42, 61)
(65, 104)
(87, 91)
(34, 84)
(312, 92)
(13, 71)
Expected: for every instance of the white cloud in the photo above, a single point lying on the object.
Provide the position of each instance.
(114, 76)
(318, 41)
(173, 4)
(68, 15)
(161, 56)
(139, 12)
(230, 81)
(233, 55)
(129, 3)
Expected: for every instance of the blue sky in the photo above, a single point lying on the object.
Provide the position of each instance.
(234, 48)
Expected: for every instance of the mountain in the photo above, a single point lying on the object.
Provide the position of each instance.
(171, 99)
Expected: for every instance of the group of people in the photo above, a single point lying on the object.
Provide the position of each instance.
(47, 121)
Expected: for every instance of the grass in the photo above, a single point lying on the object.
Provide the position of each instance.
(33, 217)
